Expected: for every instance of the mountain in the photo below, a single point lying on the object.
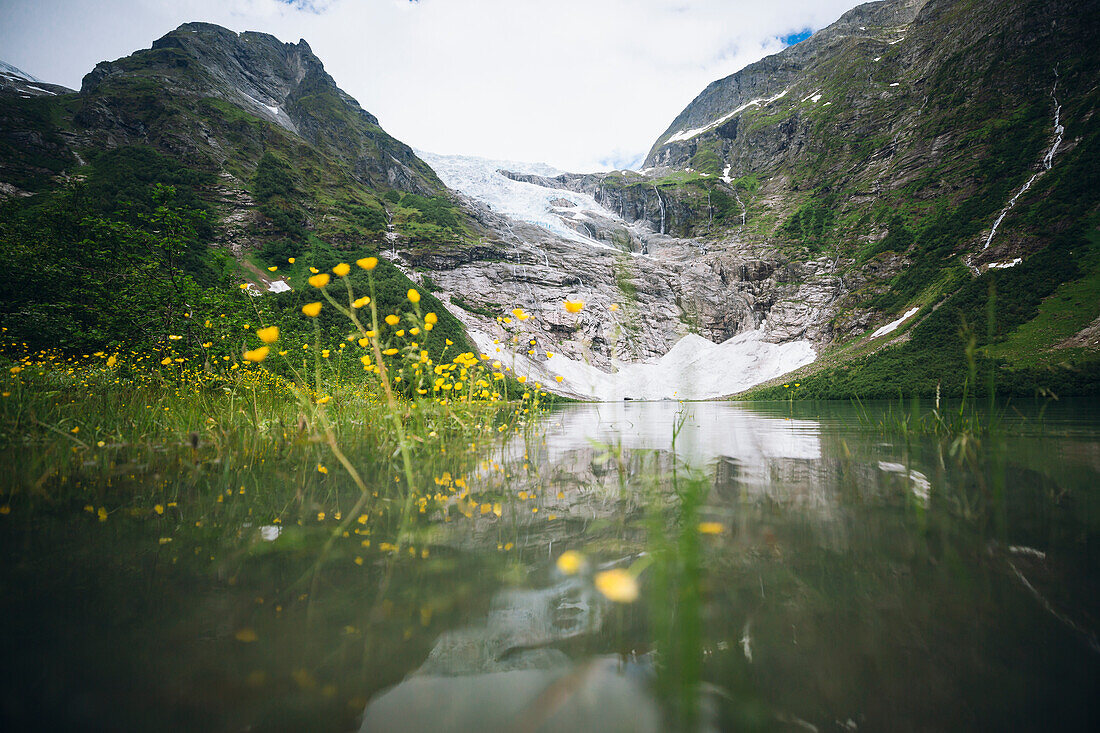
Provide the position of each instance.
(930, 163)
(904, 200)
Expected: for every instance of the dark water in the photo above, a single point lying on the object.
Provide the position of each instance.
(798, 569)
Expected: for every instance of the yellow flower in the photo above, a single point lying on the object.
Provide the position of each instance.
(574, 306)
(559, 378)
(617, 585)
(272, 268)
(614, 307)
(390, 352)
(166, 361)
(360, 302)
(311, 309)
(159, 509)
(368, 263)
(174, 338)
(431, 319)
(711, 528)
(414, 297)
(291, 260)
(268, 335)
(519, 314)
(392, 320)
(257, 355)
(571, 562)
(246, 636)
(314, 270)
(321, 469)
(342, 269)
(112, 360)
(319, 281)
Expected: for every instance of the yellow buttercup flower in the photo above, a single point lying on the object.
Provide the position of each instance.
(617, 585)
(166, 361)
(360, 302)
(320, 280)
(311, 309)
(414, 297)
(574, 306)
(571, 562)
(257, 355)
(431, 319)
(291, 260)
(368, 263)
(614, 307)
(342, 269)
(392, 320)
(174, 338)
(272, 268)
(268, 335)
(520, 314)
(559, 378)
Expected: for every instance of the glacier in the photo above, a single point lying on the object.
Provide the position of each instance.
(694, 368)
(480, 179)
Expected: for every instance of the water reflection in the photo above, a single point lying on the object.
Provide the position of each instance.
(852, 580)
(505, 675)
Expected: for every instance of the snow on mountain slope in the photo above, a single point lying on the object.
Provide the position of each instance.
(9, 70)
(694, 369)
(479, 179)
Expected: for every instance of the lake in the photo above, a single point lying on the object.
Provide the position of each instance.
(798, 566)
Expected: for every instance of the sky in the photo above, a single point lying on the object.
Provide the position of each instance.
(582, 85)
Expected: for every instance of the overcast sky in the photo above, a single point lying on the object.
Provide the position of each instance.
(579, 84)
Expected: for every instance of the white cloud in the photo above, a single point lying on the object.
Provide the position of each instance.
(580, 84)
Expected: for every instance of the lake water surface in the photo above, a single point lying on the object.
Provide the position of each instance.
(798, 569)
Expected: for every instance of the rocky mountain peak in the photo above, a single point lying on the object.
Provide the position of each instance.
(771, 78)
(284, 83)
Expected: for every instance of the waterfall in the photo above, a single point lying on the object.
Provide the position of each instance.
(661, 203)
(1048, 162)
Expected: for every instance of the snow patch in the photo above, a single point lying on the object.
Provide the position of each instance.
(1004, 265)
(40, 89)
(688, 134)
(10, 70)
(694, 369)
(893, 325)
(273, 110)
(278, 286)
(878, 58)
(896, 84)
